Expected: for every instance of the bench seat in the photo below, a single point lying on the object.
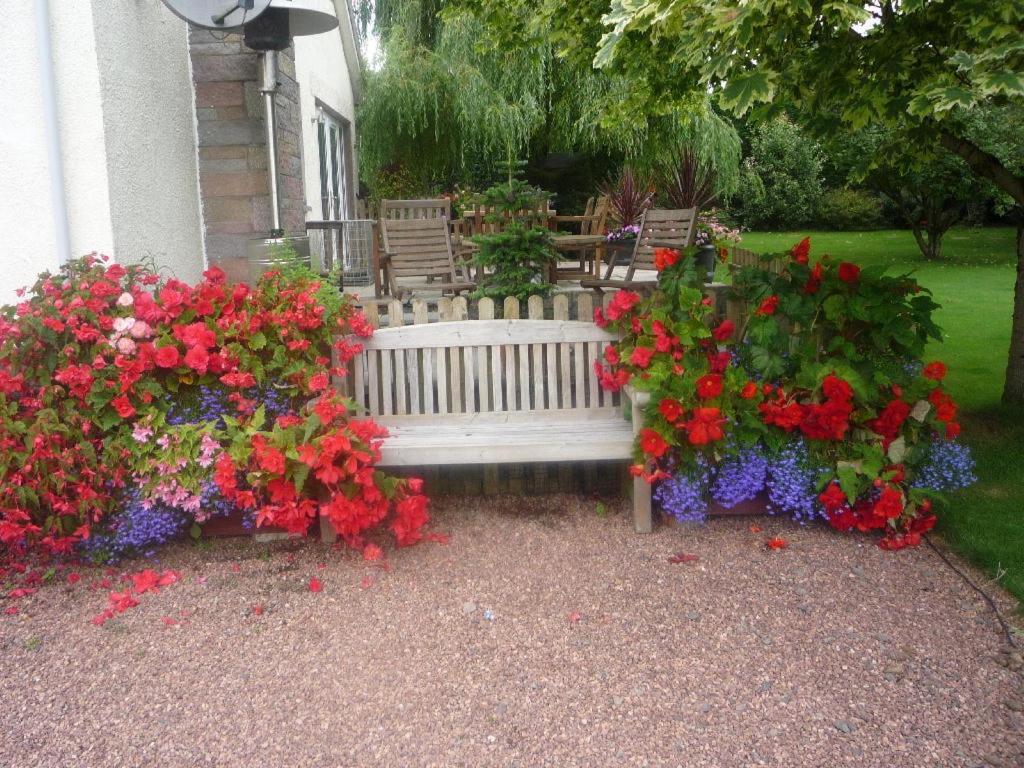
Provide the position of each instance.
(492, 438)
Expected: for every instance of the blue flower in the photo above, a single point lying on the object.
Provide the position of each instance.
(947, 466)
(740, 477)
(792, 483)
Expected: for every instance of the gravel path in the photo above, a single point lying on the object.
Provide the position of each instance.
(543, 634)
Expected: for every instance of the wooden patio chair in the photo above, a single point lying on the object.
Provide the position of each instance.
(659, 228)
(593, 228)
(421, 248)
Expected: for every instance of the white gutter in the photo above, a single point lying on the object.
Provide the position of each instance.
(51, 127)
(347, 30)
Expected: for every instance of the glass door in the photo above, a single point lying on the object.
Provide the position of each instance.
(332, 142)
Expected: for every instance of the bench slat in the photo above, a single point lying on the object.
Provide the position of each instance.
(473, 333)
(442, 380)
(428, 381)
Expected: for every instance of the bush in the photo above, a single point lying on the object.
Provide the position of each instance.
(821, 400)
(850, 209)
(780, 183)
(131, 408)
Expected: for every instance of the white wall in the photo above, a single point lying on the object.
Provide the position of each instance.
(149, 122)
(326, 69)
(126, 122)
(28, 245)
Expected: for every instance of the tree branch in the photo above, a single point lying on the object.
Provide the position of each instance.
(986, 165)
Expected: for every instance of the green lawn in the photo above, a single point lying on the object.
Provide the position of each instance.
(974, 285)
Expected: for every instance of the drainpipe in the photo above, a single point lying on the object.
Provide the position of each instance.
(268, 88)
(51, 127)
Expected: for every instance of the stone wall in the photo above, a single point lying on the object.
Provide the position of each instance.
(233, 178)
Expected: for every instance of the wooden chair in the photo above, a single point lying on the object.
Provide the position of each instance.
(593, 228)
(416, 209)
(659, 228)
(421, 248)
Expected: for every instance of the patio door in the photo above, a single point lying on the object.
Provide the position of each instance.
(334, 144)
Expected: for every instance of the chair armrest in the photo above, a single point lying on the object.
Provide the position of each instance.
(637, 402)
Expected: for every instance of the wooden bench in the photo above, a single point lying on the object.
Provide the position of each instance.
(496, 392)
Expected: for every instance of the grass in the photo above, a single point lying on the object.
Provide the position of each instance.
(974, 285)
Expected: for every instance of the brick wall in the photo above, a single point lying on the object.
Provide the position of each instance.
(233, 179)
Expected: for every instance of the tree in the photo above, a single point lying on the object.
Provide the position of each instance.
(781, 183)
(918, 67)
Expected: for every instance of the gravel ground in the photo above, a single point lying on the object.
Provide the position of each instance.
(543, 634)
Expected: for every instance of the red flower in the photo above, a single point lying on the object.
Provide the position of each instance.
(749, 390)
(267, 457)
(641, 357)
(801, 251)
(782, 413)
(123, 407)
(198, 359)
(833, 498)
(665, 258)
(318, 382)
(768, 306)
(315, 585)
(621, 304)
(890, 420)
(670, 409)
(936, 371)
(835, 388)
(239, 379)
(724, 330)
(889, 505)
(848, 272)
(652, 443)
(167, 357)
(814, 281)
(611, 355)
(705, 426)
(709, 386)
(719, 362)
(952, 430)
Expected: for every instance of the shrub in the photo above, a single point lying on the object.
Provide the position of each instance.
(836, 419)
(780, 181)
(849, 209)
(514, 260)
(629, 195)
(95, 358)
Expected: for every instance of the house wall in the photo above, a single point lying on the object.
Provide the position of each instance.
(125, 114)
(234, 182)
(150, 135)
(327, 70)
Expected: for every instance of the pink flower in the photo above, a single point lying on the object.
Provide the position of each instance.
(141, 330)
(125, 300)
(142, 433)
(126, 346)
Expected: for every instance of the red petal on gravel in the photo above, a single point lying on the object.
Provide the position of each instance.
(11, 610)
(74, 578)
(755, 529)
(372, 552)
(14, 594)
(438, 538)
(169, 621)
(236, 568)
(257, 610)
(776, 543)
(315, 585)
(574, 617)
(366, 582)
(683, 557)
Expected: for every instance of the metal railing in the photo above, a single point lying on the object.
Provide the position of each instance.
(345, 246)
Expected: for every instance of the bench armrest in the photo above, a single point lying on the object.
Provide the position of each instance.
(638, 398)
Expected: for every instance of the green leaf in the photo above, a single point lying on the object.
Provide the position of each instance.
(746, 89)
(257, 341)
(195, 531)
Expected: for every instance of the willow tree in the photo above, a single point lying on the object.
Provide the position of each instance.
(460, 89)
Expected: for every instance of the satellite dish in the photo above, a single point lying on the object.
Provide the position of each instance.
(225, 15)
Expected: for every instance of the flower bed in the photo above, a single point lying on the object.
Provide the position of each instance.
(134, 409)
(819, 403)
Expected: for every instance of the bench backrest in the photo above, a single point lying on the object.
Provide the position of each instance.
(482, 366)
